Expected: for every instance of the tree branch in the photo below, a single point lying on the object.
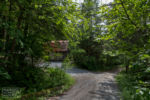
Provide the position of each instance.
(127, 13)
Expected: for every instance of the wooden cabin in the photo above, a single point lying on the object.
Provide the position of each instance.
(59, 49)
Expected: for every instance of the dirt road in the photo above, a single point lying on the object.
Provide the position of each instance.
(92, 86)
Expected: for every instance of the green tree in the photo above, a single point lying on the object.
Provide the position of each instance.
(25, 26)
(128, 28)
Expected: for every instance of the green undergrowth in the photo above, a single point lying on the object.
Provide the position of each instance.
(46, 83)
(132, 87)
(93, 63)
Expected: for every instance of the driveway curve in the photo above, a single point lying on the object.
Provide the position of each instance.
(92, 86)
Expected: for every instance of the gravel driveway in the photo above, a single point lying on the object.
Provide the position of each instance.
(91, 86)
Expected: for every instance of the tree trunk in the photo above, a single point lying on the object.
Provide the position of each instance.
(127, 69)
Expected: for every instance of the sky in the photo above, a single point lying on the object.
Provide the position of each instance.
(103, 1)
(106, 1)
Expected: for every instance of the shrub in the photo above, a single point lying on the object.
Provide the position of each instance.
(91, 62)
(4, 74)
(67, 63)
(133, 88)
(57, 77)
(89, 54)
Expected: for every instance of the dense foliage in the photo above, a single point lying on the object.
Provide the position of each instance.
(128, 28)
(25, 26)
(129, 32)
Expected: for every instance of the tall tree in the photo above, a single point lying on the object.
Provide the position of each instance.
(128, 27)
